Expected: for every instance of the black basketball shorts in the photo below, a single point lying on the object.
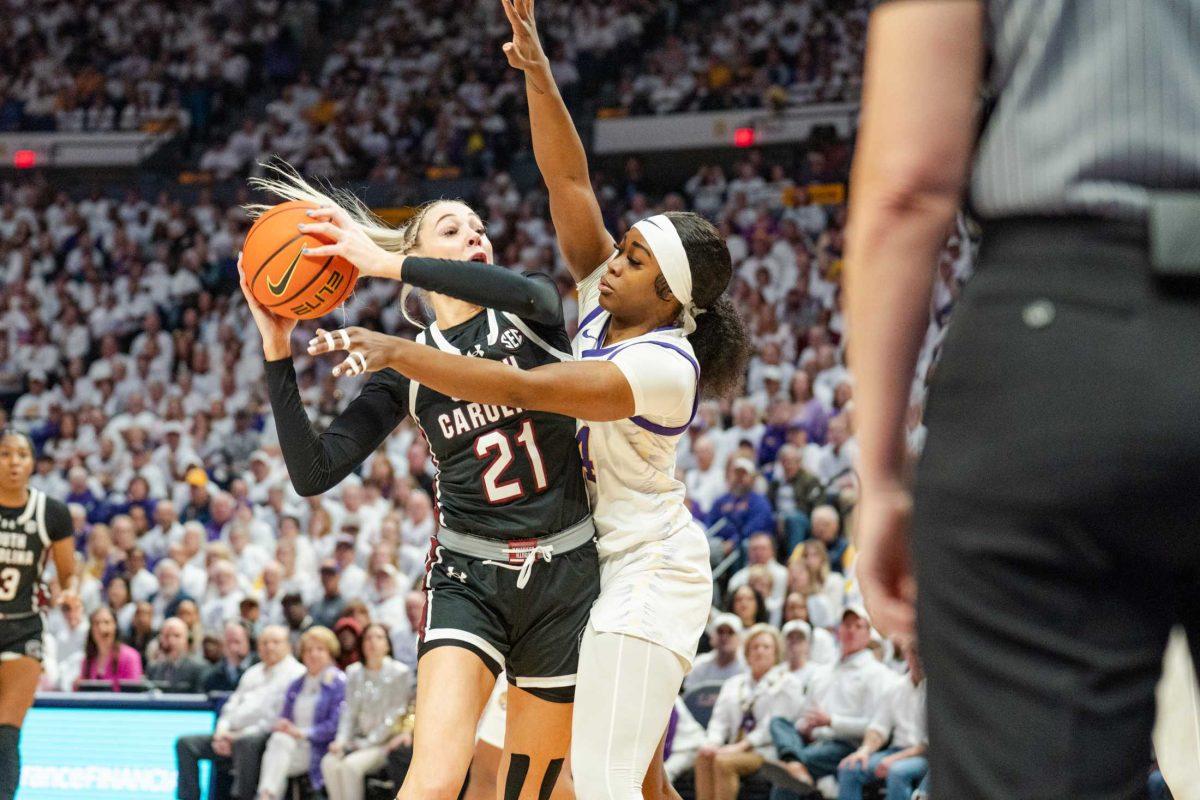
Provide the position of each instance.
(532, 633)
(21, 637)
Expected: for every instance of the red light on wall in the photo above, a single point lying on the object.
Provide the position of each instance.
(24, 159)
(744, 137)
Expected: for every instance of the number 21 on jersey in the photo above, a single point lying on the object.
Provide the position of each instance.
(497, 441)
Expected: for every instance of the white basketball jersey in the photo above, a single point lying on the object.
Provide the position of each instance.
(629, 464)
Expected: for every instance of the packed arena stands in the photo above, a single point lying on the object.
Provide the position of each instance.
(130, 358)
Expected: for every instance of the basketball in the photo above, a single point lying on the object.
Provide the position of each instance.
(287, 283)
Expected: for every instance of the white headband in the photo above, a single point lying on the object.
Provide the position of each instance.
(664, 242)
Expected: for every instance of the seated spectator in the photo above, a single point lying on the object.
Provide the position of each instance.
(748, 606)
(236, 746)
(738, 736)
(309, 720)
(141, 630)
(170, 594)
(760, 550)
(69, 626)
(724, 661)
(841, 702)
(705, 481)
(225, 596)
(236, 658)
(684, 740)
(822, 647)
(898, 723)
(833, 463)
(742, 512)
(349, 635)
(104, 658)
(295, 617)
(797, 643)
(809, 574)
(328, 610)
(174, 669)
(793, 492)
(378, 693)
(827, 529)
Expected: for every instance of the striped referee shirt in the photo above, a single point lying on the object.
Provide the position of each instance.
(1093, 103)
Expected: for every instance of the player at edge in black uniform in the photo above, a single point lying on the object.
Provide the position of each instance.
(32, 529)
(510, 494)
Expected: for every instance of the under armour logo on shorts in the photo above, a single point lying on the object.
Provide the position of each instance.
(453, 573)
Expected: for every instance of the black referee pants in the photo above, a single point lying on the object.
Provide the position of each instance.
(1057, 518)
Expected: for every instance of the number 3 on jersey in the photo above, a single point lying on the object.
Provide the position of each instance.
(494, 489)
(582, 437)
(10, 581)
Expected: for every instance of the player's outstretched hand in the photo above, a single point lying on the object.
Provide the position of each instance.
(884, 566)
(350, 241)
(367, 351)
(525, 51)
(276, 330)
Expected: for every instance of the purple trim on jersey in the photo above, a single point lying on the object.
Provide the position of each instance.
(591, 315)
(654, 427)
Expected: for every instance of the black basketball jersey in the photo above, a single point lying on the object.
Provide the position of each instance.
(26, 534)
(505, 473)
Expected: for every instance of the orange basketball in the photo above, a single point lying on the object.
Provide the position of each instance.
(286, 282)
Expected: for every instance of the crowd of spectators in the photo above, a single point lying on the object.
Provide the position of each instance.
(125, 359)
(407, 93)
(749, 54)
(150, 65)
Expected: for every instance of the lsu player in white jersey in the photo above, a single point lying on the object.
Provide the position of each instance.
(655, 333)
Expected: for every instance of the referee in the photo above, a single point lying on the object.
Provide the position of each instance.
(1055, 519)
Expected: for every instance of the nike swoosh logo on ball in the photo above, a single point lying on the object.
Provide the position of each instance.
(278, 288)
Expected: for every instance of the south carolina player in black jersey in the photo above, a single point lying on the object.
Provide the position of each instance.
(510, 493)
(32, 528)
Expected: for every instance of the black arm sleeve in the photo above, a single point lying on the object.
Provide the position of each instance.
(531, 296)
(317, 463)
(58, 520)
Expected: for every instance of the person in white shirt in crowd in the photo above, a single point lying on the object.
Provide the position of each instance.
(389, 602)
(263, 474)
(237, 744)
(308, 721)
(809, 573)
(68, 626)
(378, 693)
(797, 642)
(705, 481)
(351, 577)
(224, 596)
(248, 556)
(418, 525)
(725, 660)
(404, 640)
(760, 551)
(823, 649)
(738, 735)
(898, 723)
(833, 463)
(685, 737)
(165, 532)
(189, 555)
(170, 591)
(841, 702)
(747, 427)
(270, 597)
(142, 583)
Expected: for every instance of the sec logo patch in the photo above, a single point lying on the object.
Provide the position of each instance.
(511, 339)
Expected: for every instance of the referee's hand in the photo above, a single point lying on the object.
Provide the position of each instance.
(884, 565)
